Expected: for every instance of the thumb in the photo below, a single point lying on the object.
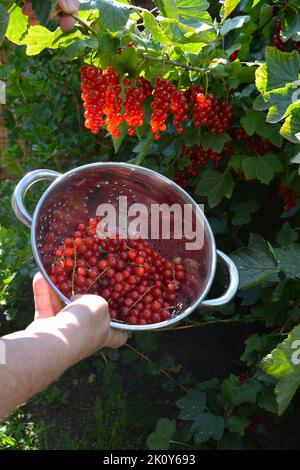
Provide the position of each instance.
(116, 338)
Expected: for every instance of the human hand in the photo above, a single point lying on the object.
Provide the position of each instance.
(69, 8)
(64, 11)
(84, 325)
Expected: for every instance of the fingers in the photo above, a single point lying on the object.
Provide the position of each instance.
(88, 302)
(117, 338)
(46, 302)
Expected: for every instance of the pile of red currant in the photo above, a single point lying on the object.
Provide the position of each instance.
(101, 96)
(257, 144)
(207, 110)
(102, 91)
(140, 286)
(166, 98)
(199, 157)
(289, 197)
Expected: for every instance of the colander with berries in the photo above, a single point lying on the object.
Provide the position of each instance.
(128, 234)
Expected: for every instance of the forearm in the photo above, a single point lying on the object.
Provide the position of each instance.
(34, 358)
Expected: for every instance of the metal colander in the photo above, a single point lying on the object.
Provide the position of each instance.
(74, 197)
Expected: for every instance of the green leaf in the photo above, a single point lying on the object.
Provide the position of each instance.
(237, 393)
(143, 148)
(237, 424)
(189, 12)
(215, 142)
(17, 26)
(243, 212)
(229, 6)
(42, 10)
(39, 38)
(152, 24)
(267, 401)
(117, 142)
(290, 28)
(161, 437)
(288, 258)
(249, 121)
(286, 234)
(290, 130)
(282, 67)
(208, 426)
(215, 186)
(4, 17)
(263, 167)
(261, 78)
(283, 363)
(192, 405)
(233, 23)
(279, 100)
(235, 162)
(167, 7)
(253, 345)
(114, 15)
(255, 263)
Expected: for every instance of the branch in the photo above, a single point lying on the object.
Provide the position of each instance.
(172, 62)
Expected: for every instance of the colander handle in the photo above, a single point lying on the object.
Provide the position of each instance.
(233, 283)
(21, 189)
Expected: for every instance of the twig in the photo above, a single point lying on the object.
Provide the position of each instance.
(174, 63)
(164, 372)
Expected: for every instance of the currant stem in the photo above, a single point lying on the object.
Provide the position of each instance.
(174, 63)
(139, 299)
(84, 24)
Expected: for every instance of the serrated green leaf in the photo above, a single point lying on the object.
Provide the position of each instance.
(282, 67)
(255, 263)
(237, 424)
(249, 121)
(267, 401)
(192, 405)
(208, 426)
(229, 6)
(283, 363)
(152, 24)
(279, 100)
(236, 162)
(263, 168)
(161, 437)
(114, 14)
(215, 186)
(288, 258)
(215, 142)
